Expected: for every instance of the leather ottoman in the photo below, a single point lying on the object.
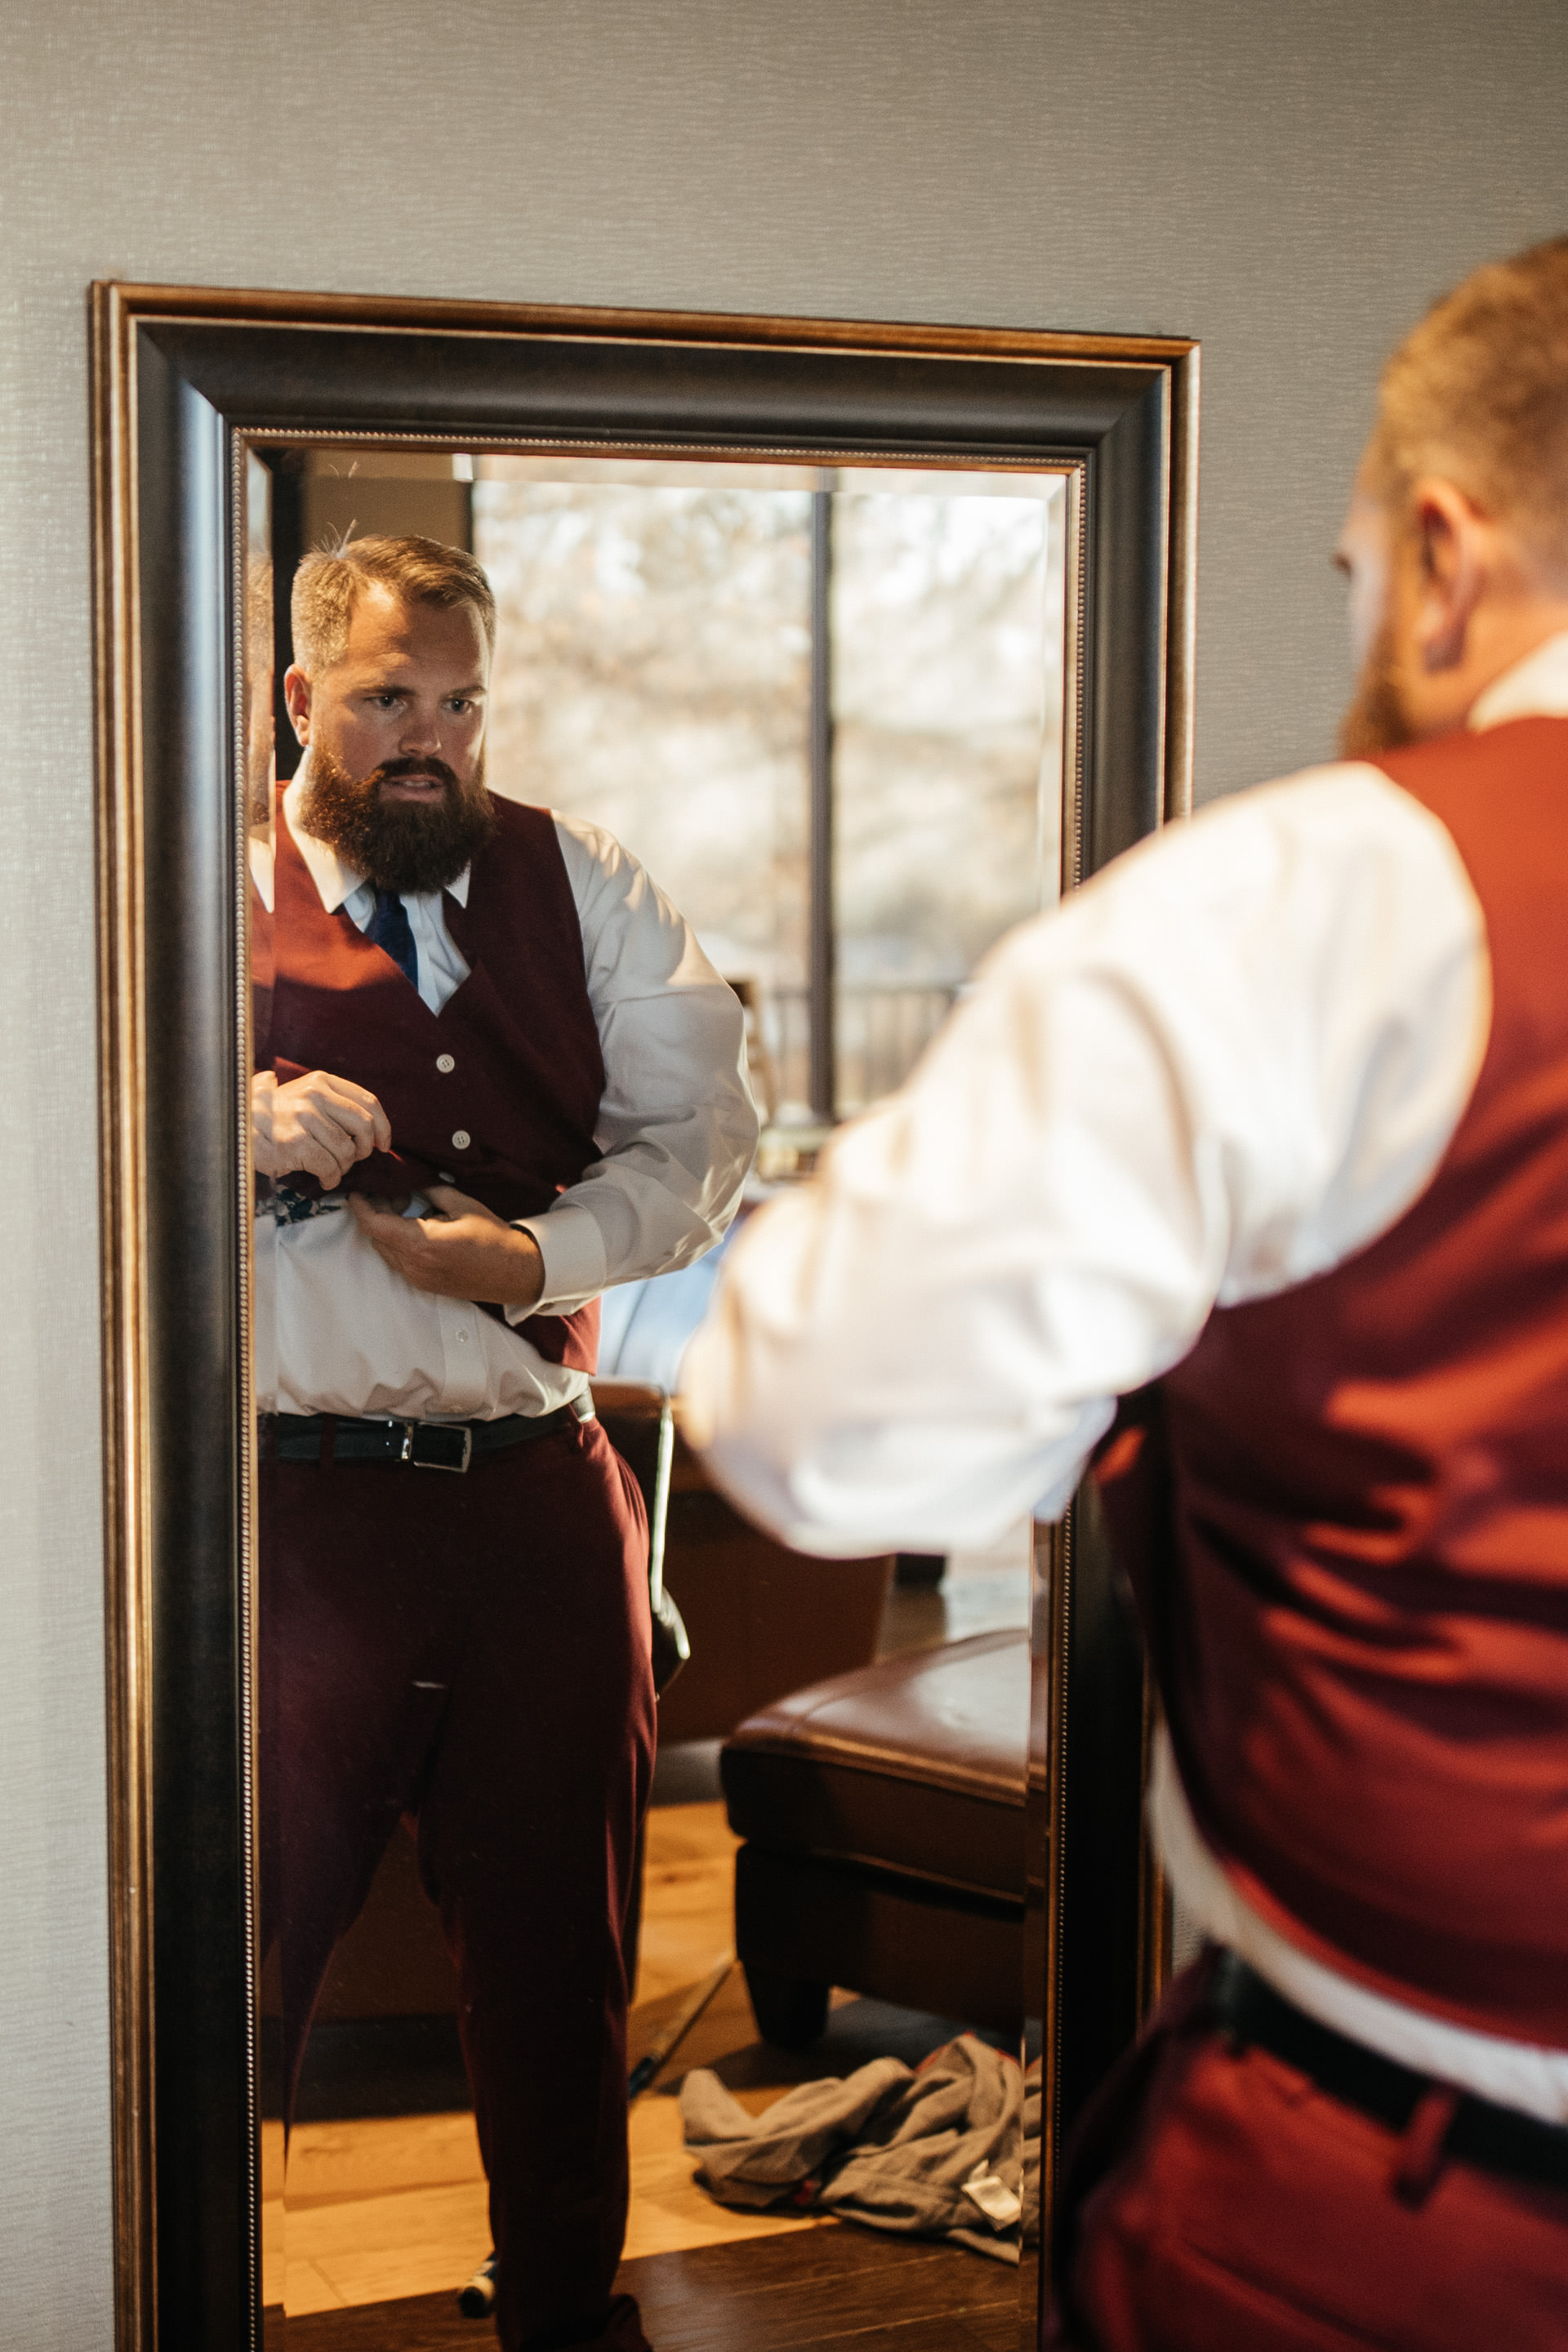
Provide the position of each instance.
(883, 1818)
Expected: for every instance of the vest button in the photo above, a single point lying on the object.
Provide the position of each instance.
(444, 1063)
(462, 1139)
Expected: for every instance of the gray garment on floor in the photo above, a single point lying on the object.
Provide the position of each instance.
(943, 2153)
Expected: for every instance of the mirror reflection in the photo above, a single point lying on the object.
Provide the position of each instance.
(642, 1905)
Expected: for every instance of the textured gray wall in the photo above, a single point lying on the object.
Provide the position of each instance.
(1291, 183)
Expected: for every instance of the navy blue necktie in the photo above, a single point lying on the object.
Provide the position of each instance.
(389, 929)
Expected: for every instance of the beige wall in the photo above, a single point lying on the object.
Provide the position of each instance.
(1289, 183)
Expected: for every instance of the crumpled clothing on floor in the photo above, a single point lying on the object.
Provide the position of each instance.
(952, 2151)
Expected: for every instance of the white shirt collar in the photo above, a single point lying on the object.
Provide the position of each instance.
(334, 881)
(1535, 687)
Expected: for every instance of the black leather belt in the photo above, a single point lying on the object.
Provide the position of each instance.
(1478, 2132)
(415, 1444)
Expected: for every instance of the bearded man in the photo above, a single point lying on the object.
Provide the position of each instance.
(1265, 1132)
(495, 1074)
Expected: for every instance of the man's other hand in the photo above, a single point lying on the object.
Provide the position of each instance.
(317, 1124)
(464, 1252)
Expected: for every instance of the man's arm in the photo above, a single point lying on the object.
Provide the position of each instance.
(1216, 1070)
(677, 1126)
(464, 1251)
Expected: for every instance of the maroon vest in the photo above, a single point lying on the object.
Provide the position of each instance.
(511, 1121)
(1346, 1511)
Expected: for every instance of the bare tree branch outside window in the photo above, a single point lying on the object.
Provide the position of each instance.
(653, 673)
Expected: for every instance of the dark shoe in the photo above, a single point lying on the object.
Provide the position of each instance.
(621, 2331)
(625, 2331)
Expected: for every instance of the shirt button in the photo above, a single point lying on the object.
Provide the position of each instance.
(462, 1338)
(462, 1139)
(444, 1062)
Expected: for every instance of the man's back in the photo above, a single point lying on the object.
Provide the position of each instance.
(1271, 1122)
(1363, 1609)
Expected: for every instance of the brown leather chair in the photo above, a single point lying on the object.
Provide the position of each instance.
(884, 1826)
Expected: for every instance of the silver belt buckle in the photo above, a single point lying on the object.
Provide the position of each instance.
(457, 1469)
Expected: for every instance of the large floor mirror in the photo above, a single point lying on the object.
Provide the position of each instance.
(867, 641)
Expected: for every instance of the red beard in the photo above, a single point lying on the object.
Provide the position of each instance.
(1378, 719)
(398, 845)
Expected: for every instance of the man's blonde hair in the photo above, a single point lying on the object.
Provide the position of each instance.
(330, 581)
(1477, 394)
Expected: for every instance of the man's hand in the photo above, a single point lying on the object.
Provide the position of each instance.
(465, 1251)
(316, 1123)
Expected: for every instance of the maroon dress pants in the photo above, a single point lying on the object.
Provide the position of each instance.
(474, 1650)
(1215, 2200)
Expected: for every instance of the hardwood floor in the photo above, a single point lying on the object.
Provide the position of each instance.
(839, 2287)
(388, 2208)
(385, 2217)
(835, 2290)
(383, 2208)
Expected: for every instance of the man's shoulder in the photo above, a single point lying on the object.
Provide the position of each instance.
(1336, 813)
(529, 825)
(519, 821)
(1290, 859)
(524, 840)
(520, 860)
(604, 879)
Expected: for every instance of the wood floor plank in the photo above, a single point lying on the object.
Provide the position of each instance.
(377, 2155)
(842, 2286)
(425, 2323)
(391, 2208)
(402, 2245)
(388, 2214)
(833, 2289)
(689, 1898)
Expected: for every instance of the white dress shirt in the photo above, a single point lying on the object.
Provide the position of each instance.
(337, 1330)
(1218, 1069)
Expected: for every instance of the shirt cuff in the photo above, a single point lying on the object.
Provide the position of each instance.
(576, 1266)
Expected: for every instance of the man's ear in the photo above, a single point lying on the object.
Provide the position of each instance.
(1450, 535)
(297, 695)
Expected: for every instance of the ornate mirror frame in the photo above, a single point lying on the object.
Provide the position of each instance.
(184, 379)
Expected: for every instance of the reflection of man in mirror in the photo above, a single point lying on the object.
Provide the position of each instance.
(495, 1074)
(1265, 1132)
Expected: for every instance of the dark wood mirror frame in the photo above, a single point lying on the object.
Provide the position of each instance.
(184, 379)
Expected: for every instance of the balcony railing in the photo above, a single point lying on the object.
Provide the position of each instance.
(881, 1028)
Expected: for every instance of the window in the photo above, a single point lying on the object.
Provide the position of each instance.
(824, 710)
